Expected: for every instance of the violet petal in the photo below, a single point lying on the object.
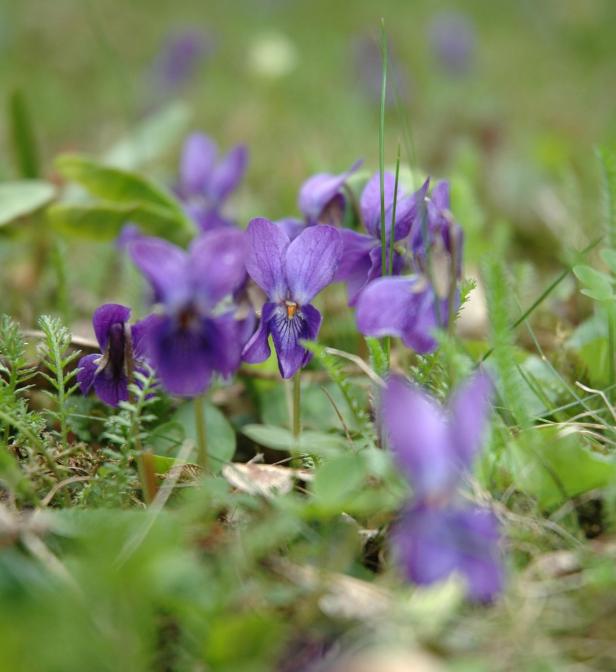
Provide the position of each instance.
(267, 245)
(312, 261)
(419, 437)
(105, 317)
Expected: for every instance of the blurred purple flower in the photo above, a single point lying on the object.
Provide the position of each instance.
(435, 447)
(191, 339)
(368, 66)
(122, 350)
(322, 199)
(291, 273)
(452, 37)
(207, 181)
(362, 259)
(179, 58)
(129, 233)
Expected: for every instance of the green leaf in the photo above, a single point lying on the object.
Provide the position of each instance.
(151, 138)
(122, 186)
(562, 467)
(243, 641)
(220, 435)
(590, 342)
(597, 285)
(609, 256)
(23, 197)
(318, 411)
(336, 481)
(104, 221)
(22, 137)
(278, 438)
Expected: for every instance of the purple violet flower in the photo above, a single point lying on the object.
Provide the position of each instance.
(179, 58)
(435, 447)
(291, 273)
(129, 233)
(362, 259)
(322, 199)
(405, 307)
(122, 349)
(191, 338)
(206, 183)
(437, 234)
(452, 37)
(410, 307)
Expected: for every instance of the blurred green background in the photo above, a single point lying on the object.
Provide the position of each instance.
(298, 81)
(508, 98)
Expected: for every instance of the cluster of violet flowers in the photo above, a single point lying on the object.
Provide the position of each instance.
(205, 321)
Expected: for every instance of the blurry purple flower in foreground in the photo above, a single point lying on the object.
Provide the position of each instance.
(291, 273)
(179, 57)
(191, 339)
(121, 347)
(322, 199)
(362, 259)
(453, 41)
(435, 447)
(206, 181)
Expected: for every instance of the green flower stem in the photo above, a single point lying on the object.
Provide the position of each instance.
(296, 406)
(200, 424)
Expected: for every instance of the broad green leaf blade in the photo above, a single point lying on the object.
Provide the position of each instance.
(560, 468)
(22, 137)
(121, 186)
(597, 285)
(23, 197)
(220, 434)
(104, 221)
(609, 256)
(151, 138)
(278, 438)
(337, 480)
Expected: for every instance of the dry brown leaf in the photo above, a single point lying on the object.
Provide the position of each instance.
(263, 479)
(342, 596)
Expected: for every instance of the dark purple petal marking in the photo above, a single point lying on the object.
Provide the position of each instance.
(286, 334)
(105, 317)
